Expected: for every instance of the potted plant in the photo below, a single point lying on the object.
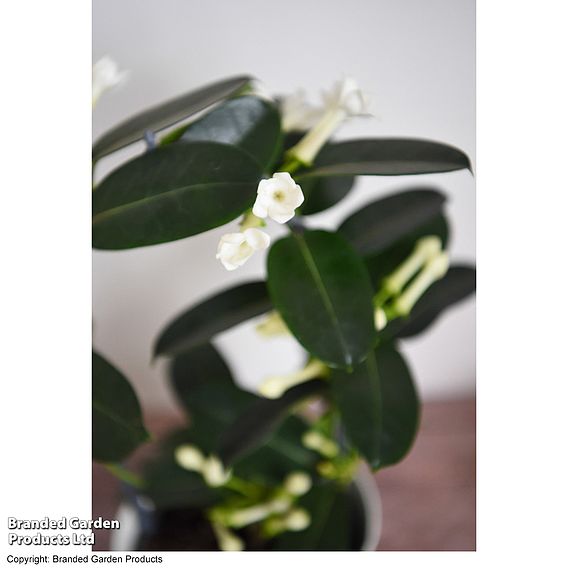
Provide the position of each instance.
(279, 469)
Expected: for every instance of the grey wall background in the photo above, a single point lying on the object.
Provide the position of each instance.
(417, 59)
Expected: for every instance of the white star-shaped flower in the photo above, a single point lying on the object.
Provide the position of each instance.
(278, 198)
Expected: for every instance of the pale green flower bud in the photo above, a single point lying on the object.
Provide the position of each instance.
(380, 319)
(435, 269)
(425, 249)
(227, 540)
(297, 520)
(316, 441)
(189, 457)
(275, 387)
(297, 483)
(214, 473)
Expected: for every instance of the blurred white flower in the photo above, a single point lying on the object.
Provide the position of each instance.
(346, 95)
(278, 198)
(236, 248)
(344, 100)
(106, 75)
(297, 113)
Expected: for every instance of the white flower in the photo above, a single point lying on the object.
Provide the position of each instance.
(297, 113)
(344, 100)
(105, 76)
(236, 248)
(346, 96)
(278, 197)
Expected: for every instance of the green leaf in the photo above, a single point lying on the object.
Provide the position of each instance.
(217, 313)
(332, 513)
(166, 114)
(117, 419)
(384, 262)
(319, 193)
(254, 426)
(378, 406)
(322, 193)
(251, 123)
(457, 284)
(173, 192)
(323, 293)
(204, 385)
(387, 157)
(170, 486)
(381, 223)
(280, 454)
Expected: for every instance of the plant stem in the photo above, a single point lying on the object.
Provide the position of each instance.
(120, 472)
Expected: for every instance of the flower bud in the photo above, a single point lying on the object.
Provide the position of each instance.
(380, 319)
(236, 248)
(297, 483)
(275, 387)
(435, 269)
(425, 249)
(297, 520)
(316, 441)
(226, 539)
(106, 75)
(189, 457)
(214, 473)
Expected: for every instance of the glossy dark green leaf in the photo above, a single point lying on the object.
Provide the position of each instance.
(386, 157)
(379, 406)
(217, 313)
(204, 386)
(383, 262)
(320, 193)
(255, 425)
(331, 509)
(381, 223)
(249, 122)
(322, 291)
(280, 454)
(117, 419)
(457, 284)
(170, 486)
(166, 114)
(173, 192)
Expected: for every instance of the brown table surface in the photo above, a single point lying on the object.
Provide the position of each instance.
(428, 499)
